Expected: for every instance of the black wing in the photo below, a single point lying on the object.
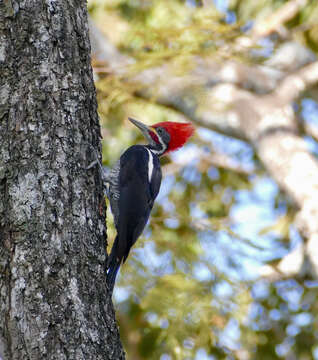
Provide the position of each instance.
(137, 195)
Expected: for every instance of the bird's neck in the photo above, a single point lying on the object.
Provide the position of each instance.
(158, 149)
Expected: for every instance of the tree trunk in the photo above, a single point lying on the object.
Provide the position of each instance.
(54, 302)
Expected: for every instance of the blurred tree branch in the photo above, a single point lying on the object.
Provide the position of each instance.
(275, 21)
(206, 160)
(252, 103)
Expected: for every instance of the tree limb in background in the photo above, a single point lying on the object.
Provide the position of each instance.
(206, 160)
(257, 109)
(276, 20)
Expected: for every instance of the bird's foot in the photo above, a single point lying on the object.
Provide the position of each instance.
(103, 173)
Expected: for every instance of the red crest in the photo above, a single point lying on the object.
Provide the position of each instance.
(179, 133)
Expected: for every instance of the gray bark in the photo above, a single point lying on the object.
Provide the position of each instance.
(54, 302)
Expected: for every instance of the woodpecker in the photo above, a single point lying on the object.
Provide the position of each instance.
(134, 183)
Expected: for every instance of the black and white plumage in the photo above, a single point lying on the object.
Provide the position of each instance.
(138, 186)
(134, 183)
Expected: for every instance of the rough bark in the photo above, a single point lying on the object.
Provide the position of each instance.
(255, 104)
(54, 302)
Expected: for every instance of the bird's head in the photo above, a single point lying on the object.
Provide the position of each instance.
(165, 136)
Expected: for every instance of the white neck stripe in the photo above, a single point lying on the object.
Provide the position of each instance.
(162, 149)
(164, 146)
(150, 164)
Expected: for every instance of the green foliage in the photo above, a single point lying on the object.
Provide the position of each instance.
(252, 10)
(302, 26)
(190, 279)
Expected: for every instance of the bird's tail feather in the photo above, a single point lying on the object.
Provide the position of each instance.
(112, 266)
(111, 276)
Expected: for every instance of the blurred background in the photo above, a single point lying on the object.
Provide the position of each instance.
(220, 271)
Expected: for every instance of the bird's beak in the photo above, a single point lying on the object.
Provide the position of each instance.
(146, 130)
